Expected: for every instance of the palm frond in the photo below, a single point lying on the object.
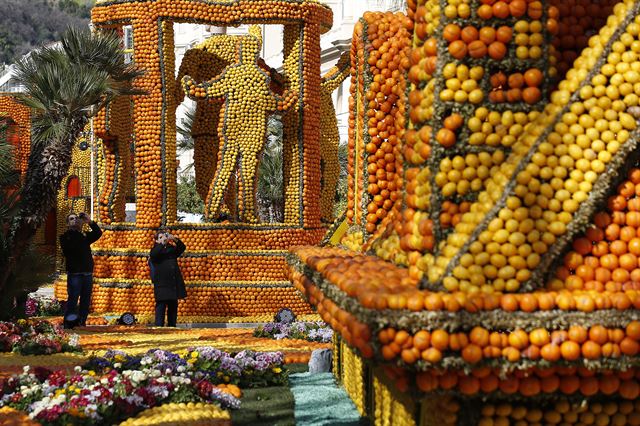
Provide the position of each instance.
(46, 128)
(101, 50)
(7, 163)
(184, 129)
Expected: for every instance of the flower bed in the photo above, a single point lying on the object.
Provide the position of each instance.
(311, 331)
(36, 337)
(87, 398)
(118, 385)
(246, 368)
(42, 306)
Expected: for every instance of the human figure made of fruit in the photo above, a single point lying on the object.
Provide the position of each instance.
(204, 62)
(330, 136)
(247, 104)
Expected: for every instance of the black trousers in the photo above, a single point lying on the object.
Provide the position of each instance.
(171, 308)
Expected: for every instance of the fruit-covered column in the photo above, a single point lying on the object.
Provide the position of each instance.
(376, 122)
(20, 115)
(147, 128)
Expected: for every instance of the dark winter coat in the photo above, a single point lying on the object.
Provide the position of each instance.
(168, 283)
(76, 248)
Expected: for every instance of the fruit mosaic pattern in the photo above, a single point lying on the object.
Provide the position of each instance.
(243, 103)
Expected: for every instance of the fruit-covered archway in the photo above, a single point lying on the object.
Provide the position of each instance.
(231, 269)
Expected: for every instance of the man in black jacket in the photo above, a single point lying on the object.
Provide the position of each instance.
(76, 247)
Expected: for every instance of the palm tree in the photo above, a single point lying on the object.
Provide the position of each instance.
(185, 142)
(64, 87)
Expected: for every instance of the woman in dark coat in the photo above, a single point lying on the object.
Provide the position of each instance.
(168, 284)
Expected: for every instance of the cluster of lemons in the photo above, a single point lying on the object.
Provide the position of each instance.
(352, 375)
(388, 410)
(561, 172)
(191, 414)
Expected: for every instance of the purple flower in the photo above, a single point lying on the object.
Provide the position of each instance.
(31, 307)
(226, 400)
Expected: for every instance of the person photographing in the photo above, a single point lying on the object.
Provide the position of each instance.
(76, 247)
(168, 284)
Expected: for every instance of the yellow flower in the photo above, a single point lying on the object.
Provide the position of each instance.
(276, 370)
(194, 354)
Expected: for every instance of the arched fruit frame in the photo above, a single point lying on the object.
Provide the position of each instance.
(232, 270)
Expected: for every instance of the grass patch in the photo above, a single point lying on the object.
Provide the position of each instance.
(265, 406)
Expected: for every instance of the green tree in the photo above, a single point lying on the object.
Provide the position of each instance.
(64, 87)
(342, 188)
(185, 141)
(270, 188)
(189, 200)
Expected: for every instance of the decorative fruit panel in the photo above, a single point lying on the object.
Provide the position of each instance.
(557, 174)
(482, 344)
(376, 121)
(154, 123)
(480, 75)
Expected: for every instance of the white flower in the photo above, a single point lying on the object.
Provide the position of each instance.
(117, 365)
(181, 369)
(138, 376)
(134, 399)
(25, 369)
(77, 369)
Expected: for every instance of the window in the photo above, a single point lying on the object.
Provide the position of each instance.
(128, 44)
(74, 188)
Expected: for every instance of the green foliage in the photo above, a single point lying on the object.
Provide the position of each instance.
(189, 200)
(185, 141)
(27, 25)
(270, 175)
(342, 187)
(63, 85)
